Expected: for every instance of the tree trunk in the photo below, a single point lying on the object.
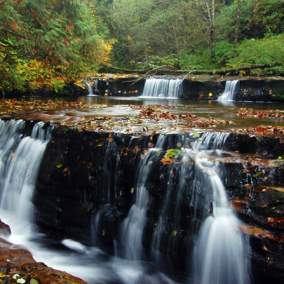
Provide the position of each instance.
(212, 43)
(238, 21)
(211, 18)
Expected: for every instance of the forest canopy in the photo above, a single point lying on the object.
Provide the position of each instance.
(52, 42)
(190, 34)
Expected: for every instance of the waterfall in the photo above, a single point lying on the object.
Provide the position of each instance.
(221, 252)
(162, 221)
(20, 159)
(133, 226)
(90, 89)
(162, 88)
(211, 140)
(231, 89)
(111, 160)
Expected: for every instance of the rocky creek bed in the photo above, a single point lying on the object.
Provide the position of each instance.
(86, 183)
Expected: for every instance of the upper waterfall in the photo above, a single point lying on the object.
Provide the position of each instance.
(230, 91)
(163, 88)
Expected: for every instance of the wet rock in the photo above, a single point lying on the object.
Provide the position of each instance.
(130, 86)
(16, 262)
(260, 90)
(202, 90)
(4, 229)
(86, 187)
(82, 172)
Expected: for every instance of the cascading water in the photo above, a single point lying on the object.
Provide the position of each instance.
(20, 164)
(162, 221)
(133, 226)
(211, 140)
(9, 138)
(90, 88)
(162, 88)
(111, 161)
(231, 89)
(221, 251)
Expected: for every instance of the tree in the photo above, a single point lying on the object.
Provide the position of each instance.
(60, 38)
(207, 11)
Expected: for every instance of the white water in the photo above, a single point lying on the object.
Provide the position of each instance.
(20, 158)
(161, 225)
(90, 89)
(132, 229)
(211, 140)
(133, 226)
(21, 172)
(230, 92)
(221, 252)
(162, 88)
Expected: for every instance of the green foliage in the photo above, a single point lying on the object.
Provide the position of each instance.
(170, 61)
(257, 19)
(176, 33)
(224, 51)
(268, 50)
(150, 31)
(192, 61)
(47, 43)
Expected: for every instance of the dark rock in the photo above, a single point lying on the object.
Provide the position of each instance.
(69, 90)
(202, 90)
(4, 229)
(121, 86)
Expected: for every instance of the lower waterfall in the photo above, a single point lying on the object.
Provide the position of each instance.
(221, 253)
(21, 168)
(133, 226)
(20, 159)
